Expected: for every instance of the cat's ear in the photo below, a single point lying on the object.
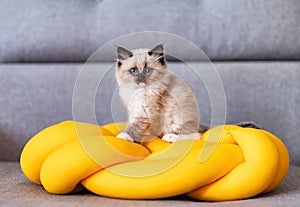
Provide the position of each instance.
(123, 53)
(157, 50)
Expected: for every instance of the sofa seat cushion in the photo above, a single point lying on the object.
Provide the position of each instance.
(17, 190)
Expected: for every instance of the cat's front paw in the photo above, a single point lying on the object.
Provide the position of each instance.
(125, 136)
(169, 137)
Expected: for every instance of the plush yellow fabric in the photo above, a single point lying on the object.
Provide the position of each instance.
(228, 163)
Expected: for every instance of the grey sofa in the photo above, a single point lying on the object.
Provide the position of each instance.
(254, 46)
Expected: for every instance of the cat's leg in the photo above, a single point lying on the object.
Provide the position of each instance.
(125, 136)
(171, 137)
(176, 131)
(136, 128)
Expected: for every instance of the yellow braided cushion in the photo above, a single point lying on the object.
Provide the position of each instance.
(228, 163)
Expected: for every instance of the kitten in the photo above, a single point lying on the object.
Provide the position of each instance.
(158, 102)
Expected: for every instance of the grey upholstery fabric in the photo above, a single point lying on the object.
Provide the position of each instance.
(34, 30)
(34, 96)
(16, 190)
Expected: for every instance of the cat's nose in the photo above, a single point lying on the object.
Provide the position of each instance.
(141, 77)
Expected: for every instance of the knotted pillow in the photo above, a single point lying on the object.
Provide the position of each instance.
(227, 163)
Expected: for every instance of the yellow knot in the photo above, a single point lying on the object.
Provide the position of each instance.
(228, 163)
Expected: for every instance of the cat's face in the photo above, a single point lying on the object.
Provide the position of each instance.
(141, 67)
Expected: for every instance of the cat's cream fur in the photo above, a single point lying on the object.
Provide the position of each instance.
(160, 104)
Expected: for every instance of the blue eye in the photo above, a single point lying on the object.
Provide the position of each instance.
(133, 71)
(148, 70)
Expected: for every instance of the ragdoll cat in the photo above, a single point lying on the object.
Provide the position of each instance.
(158, 102)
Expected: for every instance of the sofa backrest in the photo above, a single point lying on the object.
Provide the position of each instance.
(70, 31)
(34, 96)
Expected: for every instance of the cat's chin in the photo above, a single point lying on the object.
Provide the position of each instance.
(143, 85)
